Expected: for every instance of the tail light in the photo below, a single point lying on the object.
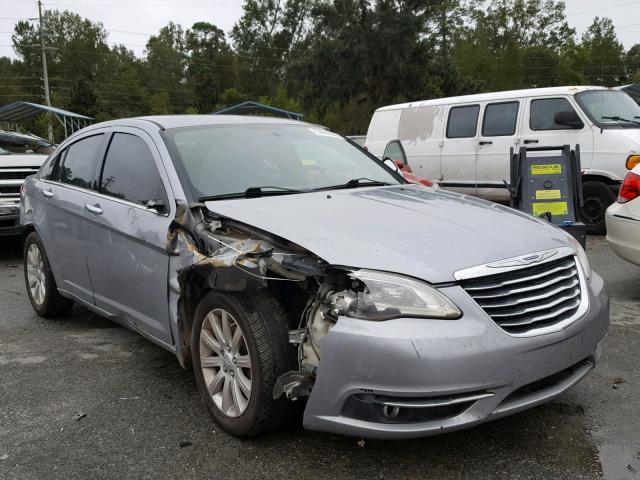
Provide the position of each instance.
(630, 188)
(23, 189)
(632, 161)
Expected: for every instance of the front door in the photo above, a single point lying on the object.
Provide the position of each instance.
(539, 128)
(126, 230)
(459, 149)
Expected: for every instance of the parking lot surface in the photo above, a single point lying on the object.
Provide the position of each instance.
(82, 397)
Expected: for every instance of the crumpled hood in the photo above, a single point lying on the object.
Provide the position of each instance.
(411, 230)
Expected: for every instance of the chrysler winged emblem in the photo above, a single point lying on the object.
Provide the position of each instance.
(525, 260)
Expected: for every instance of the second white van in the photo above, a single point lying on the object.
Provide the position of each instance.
(464, 142)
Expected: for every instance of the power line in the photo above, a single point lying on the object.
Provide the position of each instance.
(593, 10)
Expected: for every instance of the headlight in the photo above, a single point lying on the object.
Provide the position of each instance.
(582, 256)
(383, 296)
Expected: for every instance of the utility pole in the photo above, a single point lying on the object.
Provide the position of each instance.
(45, 73)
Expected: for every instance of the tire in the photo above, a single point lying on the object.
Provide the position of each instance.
(597, 198)
(264, 329)
(45, 298)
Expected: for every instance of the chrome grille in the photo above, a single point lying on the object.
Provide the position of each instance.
(16, 173)
(530, 298)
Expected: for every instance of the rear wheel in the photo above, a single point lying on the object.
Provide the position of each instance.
(597, 198)
(240, 347)
(41, 286)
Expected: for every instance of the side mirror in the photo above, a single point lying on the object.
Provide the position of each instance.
(568, 118)
(403, 166)
(391, 165)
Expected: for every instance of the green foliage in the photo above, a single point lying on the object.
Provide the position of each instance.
(336, 61)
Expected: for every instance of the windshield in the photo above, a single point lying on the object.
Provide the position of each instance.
(14, 143)
(228, 159)
(610, 108)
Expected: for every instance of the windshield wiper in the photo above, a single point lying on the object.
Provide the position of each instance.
(620, 119)
(354, 183)
(253, 192)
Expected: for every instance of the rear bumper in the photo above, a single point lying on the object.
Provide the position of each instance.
(623, 233)
(366, 365)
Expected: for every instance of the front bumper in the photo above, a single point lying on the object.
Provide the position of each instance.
(435, 362)
(10, 225)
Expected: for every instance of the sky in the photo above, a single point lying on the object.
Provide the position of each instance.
(131, 21)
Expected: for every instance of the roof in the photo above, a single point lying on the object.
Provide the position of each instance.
(249, 108)
(483, 97)
(17, 111)
(179, 121)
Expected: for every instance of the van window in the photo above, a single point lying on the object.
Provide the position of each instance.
(500, 119)
(130, 172)
(80, 162)
(543, 112)
(395, 152)
(463, 121)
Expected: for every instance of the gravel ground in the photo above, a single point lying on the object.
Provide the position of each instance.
(82, 397)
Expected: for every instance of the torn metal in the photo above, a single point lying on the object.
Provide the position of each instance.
(221, 254)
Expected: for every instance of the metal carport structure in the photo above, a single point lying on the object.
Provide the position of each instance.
(255, 108)
(18, 111)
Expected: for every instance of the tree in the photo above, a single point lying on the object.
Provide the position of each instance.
(210, 65)
(605, 64)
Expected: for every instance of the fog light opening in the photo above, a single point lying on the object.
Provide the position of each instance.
(390, 412)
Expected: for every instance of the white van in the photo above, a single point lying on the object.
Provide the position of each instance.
(463, 142)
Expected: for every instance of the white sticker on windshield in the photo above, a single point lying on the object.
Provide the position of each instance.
(324, 133)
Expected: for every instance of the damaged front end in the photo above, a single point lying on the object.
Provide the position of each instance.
(213, 252)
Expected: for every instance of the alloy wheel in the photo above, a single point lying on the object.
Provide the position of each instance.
(225, 362)
(35, 274)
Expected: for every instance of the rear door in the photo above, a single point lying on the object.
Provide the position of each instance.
(498, 135)
(126, 228)
(459, 149)
(64, 192)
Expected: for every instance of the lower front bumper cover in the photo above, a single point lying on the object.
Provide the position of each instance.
(415, 360)
(10, 225)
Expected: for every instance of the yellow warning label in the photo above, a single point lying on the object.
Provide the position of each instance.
(548, 169)
(554, 208)
(548, 194)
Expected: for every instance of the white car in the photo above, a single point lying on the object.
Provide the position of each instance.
(623, 219)
(21, 155)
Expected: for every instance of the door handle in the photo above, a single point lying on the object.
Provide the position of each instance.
(94, 209)
(48, 193)
(485, 142)
(530, 141)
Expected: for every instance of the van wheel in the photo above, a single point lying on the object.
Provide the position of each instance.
(41, 286)
(240, 347)
(597, 198)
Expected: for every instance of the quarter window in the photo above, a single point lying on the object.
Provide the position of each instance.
(500, 119)
(463, 121)
(543, 113)
(130, 173)
(80, 162)
(51, 170)
(395, 152)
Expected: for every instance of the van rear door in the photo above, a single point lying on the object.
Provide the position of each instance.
(459, 149)
(498, 134)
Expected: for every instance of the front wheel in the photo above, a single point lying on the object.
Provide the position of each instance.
(597, 198)
(240, 347)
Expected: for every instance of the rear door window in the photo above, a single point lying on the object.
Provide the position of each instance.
(130, 173)
(81, 161)
(543, 112)
(500, 119)
(463, 121)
